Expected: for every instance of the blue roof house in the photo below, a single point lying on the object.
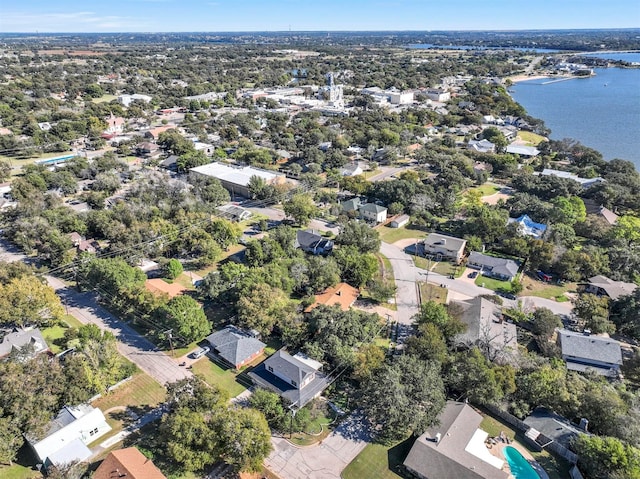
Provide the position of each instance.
(528, 227)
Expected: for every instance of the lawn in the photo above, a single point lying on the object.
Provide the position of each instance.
(140, 391)
(18, 472)
(432, 292)
(106, 98)
(446, 268)
(493, 284)
(53, 333)
(391, 235)
(532, 138)
(213, 374)
(487, 189)
(534, 287)
(377, 461)
(554, 467)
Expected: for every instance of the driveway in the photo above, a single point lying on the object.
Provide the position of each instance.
(10, 253)
(325, 460)
(131, 344)
(405, 274)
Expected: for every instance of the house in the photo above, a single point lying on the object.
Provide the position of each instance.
(438, 94)
(69, 434)
(342, 294)
(234, 212)
(523, 151)
(482, 146)
(454, 448)
(496, 338)
(236, 346)
(170, 163)
(373, 213)
(443, 246)
(25, 338)
(296, 378)
(236, 178)
(585, 352)
(115, 124)
(555, 427)
(158, 286)
(310, 241)
(127, 463)
(148, 150)
(351, 169)
(351, 205)
(127, 100)
(603, 286)
(154, 133)
(527, 227)
(399, 221)
(585, 182)
(493, 267)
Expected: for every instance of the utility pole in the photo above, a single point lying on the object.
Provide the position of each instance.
(170, 337)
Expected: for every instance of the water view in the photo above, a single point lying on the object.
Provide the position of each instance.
(602, 112)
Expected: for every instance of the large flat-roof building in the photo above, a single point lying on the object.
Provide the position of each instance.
(236, 178)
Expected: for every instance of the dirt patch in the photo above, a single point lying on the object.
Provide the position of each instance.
(493, 199)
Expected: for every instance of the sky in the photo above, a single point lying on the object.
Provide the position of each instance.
(32, 16)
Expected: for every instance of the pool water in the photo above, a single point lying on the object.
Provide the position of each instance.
(520, 468)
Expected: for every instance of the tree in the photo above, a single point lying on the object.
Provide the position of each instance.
(428, 344)
(568, 211)
(185, 316)
(189, 440)
(191, 159)
(174, 268)
(595, 311)
(606, 458)
(10, 440)
(261, 307)
(356, 268)
(471, 376)
(5, 170)
(195, 394)
(25, 301)
(495, 136)
(301, 208)
(625, 313)
(360, 235)
(628, 228)
(406, 396)
(545, 322)
(245, 438)
(437, 314)
(369, 360)
(270, 405)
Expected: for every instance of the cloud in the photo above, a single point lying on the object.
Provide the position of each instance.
(67, 21)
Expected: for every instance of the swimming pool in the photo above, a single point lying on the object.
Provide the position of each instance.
(520, 468)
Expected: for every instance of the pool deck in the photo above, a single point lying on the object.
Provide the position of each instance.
(496, 450)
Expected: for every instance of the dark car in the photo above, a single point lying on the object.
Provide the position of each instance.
(473, 274)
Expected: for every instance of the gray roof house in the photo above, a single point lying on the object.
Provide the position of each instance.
(493, 267)
(373, 212)
(454, 448)
(444, 246)
(236, 346)
(496, 338)
(21, 339)
(351, 205)
(584, 352)
(296, 378)
(603, 286)
(311, 242)
(553, 426)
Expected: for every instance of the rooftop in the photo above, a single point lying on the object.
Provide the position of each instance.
(239, 175)
(235, 345)
(127, 463)
(614, 289)
(444, 241)
(590, 347)
(20, 339)
(504, 266)
(160, 286)
(343, 295)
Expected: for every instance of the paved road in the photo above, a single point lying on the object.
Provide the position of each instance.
(131, 345)
(406, 274)
(10, 253)
(386, 173)
(325, 460)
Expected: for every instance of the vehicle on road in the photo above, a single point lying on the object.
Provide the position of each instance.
(198, 353)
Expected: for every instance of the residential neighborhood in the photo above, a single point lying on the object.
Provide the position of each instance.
(261, 256)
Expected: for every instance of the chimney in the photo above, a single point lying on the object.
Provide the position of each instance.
(339, 293)
(438, 436)
(584, 424)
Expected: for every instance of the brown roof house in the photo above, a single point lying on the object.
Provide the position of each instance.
(342, 294)
(158, 286)
(455, 448)
(127, 463)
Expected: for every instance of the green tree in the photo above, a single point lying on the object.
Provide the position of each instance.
(25, 301)
(189, 439)
(245, 437)
(356, 268)
(360, 235)
(10, 440)
(437, 314)
(270, 405)
(470, 375)
(191, 159)
(5, 170)
(405, 396)
(624, 312)
(607, 458)
(568, 211)
(428, 344)
(261, 307)
(185, 316)
(545, 322)
(301, 208)
(595, 311)
(628, 228)
(174, 268)
(195, 394)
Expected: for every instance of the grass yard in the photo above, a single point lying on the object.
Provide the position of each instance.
(493, 284)
(391, 235)
(215, 375)
(432, 292)
(377, 461)
(534, 287)
(54, 333)
(487, 189)
(531, 138)
(554, 467)
(18, 472)
(106, 98)
(446, 268)
(140, 391)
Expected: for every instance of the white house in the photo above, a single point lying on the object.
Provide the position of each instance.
(69, 434)
(399, 221)
(373, 212)
(126, 100)
(401, 97)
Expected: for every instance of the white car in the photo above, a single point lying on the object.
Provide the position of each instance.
(198, 353)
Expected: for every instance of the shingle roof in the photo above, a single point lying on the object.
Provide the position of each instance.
(20, 339)
(448, 458)
(503, 266)
(289, 366)
(128, 463)
(342, 294)
(235, 345)
(158, 285)
(449, 242)
(373, 208)
(614, 289)
(589, 347)
(553, 426)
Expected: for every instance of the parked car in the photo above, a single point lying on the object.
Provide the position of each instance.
(198, 353)
(473, 274)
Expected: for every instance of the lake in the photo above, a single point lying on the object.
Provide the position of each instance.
(601, 112)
